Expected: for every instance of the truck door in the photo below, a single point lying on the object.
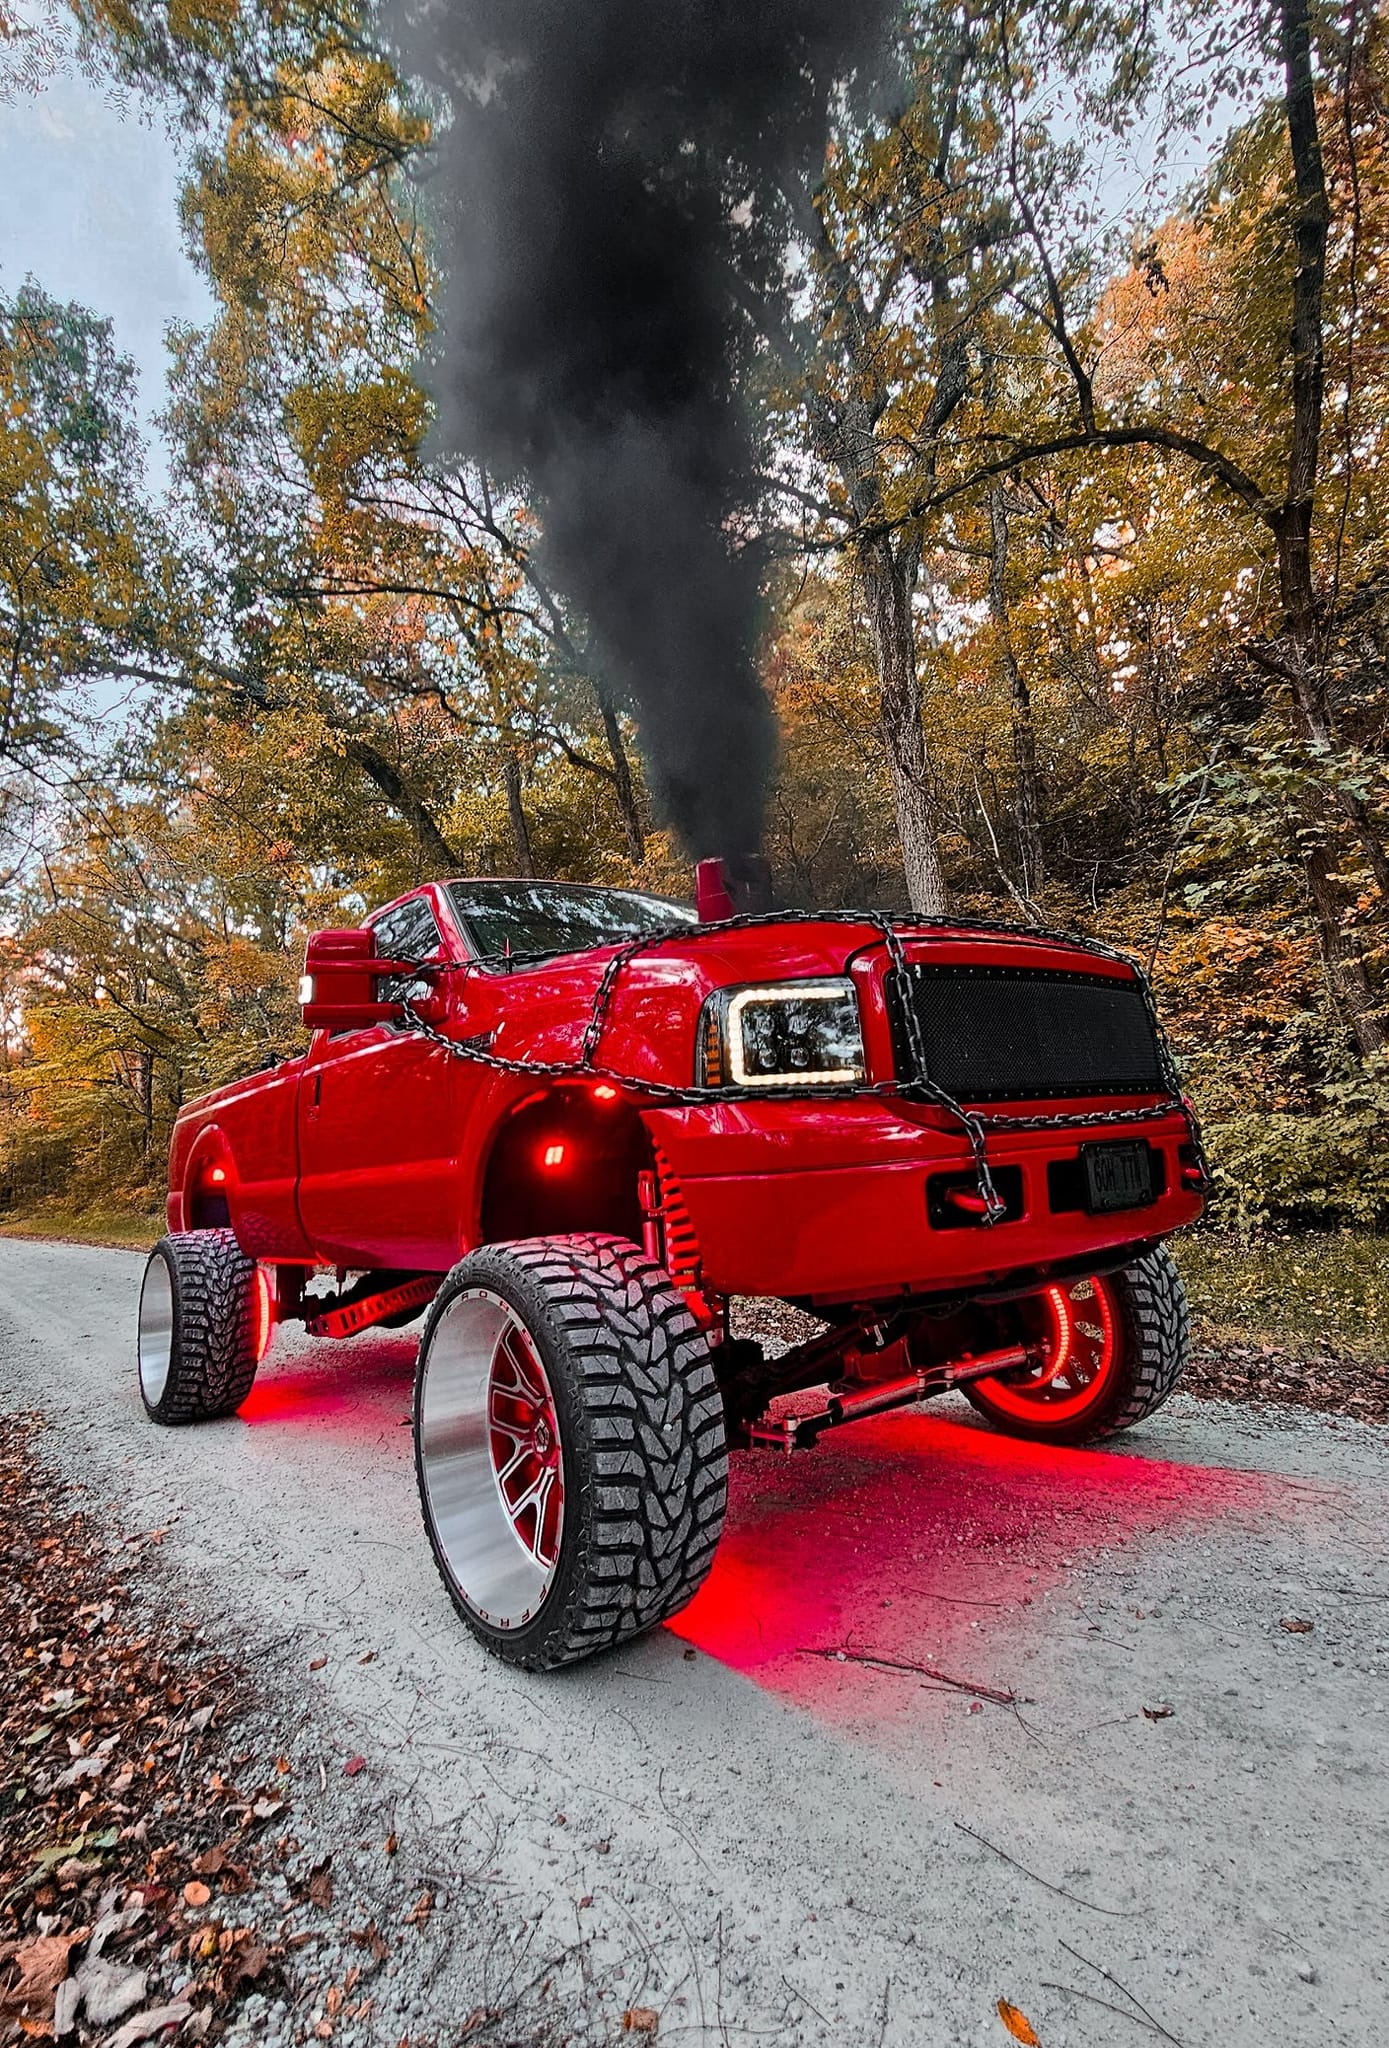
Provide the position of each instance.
(378, 1123)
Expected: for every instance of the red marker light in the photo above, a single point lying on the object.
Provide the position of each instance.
(264, 1310)
(553, 1156)
(217, 1175)
(604, 1093)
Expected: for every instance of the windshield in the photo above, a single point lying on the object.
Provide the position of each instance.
(556, 917)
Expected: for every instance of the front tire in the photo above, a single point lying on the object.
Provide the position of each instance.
(1118, 1346)
(204, 1317)
(569, 1446)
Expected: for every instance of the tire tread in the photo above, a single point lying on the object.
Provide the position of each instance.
(655, 1486)
(213, 1361)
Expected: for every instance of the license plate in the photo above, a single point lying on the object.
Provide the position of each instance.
(1116, 1177)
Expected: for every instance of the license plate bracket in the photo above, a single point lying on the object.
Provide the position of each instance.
(1117, 1176)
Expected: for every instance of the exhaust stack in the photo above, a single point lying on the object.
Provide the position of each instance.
(736, 887)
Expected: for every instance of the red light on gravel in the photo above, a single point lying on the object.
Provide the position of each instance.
(554, 1156)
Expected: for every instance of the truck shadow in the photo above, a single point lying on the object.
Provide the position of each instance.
(926, 1540)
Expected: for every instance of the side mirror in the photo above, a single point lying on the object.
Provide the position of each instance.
(338, 990)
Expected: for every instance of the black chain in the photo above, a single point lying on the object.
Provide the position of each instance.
(917, 1087)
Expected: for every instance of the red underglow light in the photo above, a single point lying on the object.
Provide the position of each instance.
(264, 1312)
(553, 1156)
(217, 1175)
(604, 1093)
(928, 1540)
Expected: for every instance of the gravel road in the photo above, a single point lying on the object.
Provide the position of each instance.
(730, 1825)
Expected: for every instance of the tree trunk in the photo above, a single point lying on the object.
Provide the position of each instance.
(1326, 810)
(633, 830)
(1346, 974)
(889, 577)
(1029, 808)
(438, 857)
(516, 812)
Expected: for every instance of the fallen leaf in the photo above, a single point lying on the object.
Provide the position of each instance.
(153, 2021)
(1296, 1626)
(353, 1765)
(109, 1991)
(370, 1658)
(641, 2019)
(318, 1663)
(690, 1656)
(43, 1964)
(195, 1893)
(370, 1937)
(66, 2005)
(210, 1862)
(1158, 1713)
(266, 1808)
(248, 1965)
(1018, 2024)
(421, 1910)
(320, 1885)
(391, 1845)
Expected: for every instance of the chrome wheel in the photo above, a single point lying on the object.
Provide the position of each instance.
(156, 1336)
(491, 1460)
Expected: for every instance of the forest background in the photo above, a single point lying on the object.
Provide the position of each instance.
(1070, 524)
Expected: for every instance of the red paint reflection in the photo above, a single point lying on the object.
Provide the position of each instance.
(919, 1538)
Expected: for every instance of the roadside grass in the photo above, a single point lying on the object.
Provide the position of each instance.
(1328, 1287)
(134, 1229)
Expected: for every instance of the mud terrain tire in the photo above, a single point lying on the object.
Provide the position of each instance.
(574, 1355)
(1152, 1326)
(199, 1338)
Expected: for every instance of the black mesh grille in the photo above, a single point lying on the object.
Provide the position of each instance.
(993, 1034)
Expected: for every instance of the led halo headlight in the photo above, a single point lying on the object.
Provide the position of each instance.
(784, 1034)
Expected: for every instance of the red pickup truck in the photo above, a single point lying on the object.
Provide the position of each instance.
(574, 1122)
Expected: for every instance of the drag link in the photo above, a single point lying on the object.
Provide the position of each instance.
(789, 1433)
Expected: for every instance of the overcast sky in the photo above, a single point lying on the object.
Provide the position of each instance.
(89, 208)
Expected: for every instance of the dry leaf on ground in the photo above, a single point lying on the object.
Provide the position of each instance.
(1018, 2024)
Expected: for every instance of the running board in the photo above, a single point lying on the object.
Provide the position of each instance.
(801, 1432)
(373, 1308)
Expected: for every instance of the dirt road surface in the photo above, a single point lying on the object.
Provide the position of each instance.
(733, 1827)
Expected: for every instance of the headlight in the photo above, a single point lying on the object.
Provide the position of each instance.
(790, 1034)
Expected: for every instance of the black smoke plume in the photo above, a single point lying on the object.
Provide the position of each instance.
(606, 165)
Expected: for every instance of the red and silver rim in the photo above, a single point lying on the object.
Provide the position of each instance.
(1077, 1327)
(491, 1461)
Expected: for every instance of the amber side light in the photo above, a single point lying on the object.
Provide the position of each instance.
(711, 1050)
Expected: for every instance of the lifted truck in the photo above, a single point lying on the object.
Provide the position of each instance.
(574, 1122)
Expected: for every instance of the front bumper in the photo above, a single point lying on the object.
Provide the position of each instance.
(829, 1203)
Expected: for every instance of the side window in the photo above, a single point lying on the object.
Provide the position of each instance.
(409, 932)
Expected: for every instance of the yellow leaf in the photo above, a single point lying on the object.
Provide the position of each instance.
(1018, 2024)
